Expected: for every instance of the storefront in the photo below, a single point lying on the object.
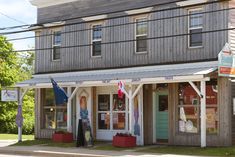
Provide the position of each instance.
(180, 104)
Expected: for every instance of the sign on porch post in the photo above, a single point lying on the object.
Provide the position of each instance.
(226, 62)
(9, 95)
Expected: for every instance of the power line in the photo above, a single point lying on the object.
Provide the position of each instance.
(125, 41)
(68, 19)
(75, 23)
(129, 23)
(12, 18)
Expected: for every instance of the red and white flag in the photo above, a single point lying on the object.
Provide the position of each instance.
(121, 89)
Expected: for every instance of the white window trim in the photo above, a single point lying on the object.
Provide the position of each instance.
(135, 20)
(54, 45)
(193, 28)
(91, 26)
(111, 113)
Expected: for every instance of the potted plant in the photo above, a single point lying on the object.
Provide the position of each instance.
(124, 140)
(62, 136)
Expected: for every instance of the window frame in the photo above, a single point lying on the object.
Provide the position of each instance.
(56, 45)
(142, 35)
(97, 40)
(111, 111)
(178, 106)
(194, 28)
(53, 106)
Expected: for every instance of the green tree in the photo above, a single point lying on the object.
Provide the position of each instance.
(15, 68)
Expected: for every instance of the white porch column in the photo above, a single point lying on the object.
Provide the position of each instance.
(69, 107)
(130, 110)
(20, 103)
(69, 111)
(203, 114)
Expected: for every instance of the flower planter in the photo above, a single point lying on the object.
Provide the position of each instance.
(124, 141)
(62, 137)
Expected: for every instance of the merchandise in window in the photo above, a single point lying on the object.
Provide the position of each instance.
(104, 112)
(188, 109)
(119, 115)
(212, 117)
(111, 115)
(55, 116)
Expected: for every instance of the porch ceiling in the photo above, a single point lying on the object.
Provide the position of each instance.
(136, 75)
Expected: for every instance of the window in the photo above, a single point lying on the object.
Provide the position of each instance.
(119, 115)
(212, 117)
(111, 115)
(96, 40)
(104, 112)
(56, 45)
(188, 109)
(195, 26)
(55, 117)
(141, 35)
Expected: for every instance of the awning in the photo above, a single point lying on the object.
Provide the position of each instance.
(146, 74)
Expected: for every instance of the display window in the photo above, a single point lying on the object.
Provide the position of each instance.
(54, 116)
(112, 112)
(189, 108)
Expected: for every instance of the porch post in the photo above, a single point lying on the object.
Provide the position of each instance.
(69, 111)
(69, 107)
(130, 109)
(20, 102)
(203, 114)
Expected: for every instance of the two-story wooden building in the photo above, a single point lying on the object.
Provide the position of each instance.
(166, 53)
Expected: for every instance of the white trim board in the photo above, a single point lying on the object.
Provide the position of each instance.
(190, 2)
(47, 3)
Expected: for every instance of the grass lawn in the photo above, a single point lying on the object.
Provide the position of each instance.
(44, 142)
(15, 137)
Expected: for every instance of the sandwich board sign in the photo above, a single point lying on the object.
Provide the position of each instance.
(226, 62)
(9, 95)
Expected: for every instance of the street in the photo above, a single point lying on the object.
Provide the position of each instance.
(2, 155)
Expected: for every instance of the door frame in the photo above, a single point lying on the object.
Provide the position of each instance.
(155, 115)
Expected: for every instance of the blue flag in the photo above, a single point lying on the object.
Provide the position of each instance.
(60, 95)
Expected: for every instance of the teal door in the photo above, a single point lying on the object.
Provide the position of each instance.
(162, 116)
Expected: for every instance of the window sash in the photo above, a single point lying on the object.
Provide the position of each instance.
(56, 44)
(111, 113)
(195, 39)
(96, 47)
(195, 23)
(141, 26)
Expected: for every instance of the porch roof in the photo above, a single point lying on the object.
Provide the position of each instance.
(146, 74)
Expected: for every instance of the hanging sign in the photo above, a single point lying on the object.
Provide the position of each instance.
(9, 95)
(226, 62)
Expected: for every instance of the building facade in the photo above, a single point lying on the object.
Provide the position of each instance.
(166, 54)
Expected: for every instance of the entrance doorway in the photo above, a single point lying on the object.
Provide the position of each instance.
(162, 121)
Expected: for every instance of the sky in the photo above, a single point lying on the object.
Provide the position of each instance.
(23, 11)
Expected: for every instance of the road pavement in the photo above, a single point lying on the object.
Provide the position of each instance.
(32, 151)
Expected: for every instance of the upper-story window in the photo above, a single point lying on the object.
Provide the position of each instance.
(141, 35)
(195, 27)
(56, 45)
(96, 40)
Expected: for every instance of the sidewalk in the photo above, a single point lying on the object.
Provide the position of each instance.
(74, 152)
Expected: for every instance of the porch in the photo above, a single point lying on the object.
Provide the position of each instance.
(100, 87)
